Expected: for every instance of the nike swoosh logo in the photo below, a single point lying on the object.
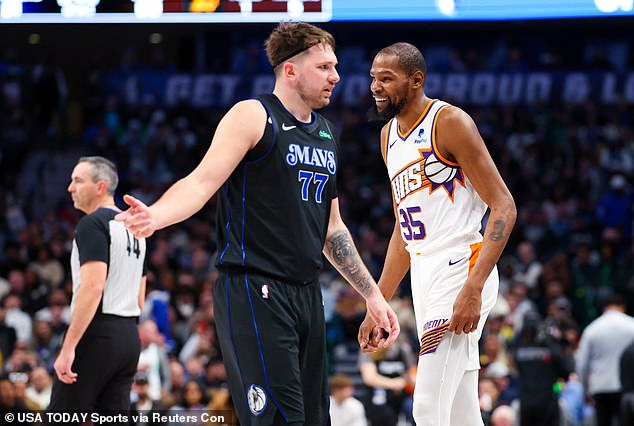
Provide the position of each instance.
(392, 144)
(287, 128)
(453, 263)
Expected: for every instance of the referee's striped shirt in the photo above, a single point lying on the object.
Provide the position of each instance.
(98, 237)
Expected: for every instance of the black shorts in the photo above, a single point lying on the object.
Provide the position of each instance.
(272, 337)
(106, 359)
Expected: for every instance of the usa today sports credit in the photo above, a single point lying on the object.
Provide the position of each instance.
(189, 417)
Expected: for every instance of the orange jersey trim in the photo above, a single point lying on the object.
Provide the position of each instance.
(386, 141)
(417, 122)
(433, 140)
(475, 253)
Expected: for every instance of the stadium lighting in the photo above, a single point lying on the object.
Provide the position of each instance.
(10, 9)
(610, 6)
(78, 8)
(148, 9)
(446, 7)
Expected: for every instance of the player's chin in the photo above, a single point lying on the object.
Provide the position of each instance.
(321, 103)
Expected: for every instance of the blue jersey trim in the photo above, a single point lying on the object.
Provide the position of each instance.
(228, 223)
(275, 133)
(244, 180)
(244, 202)
(257, 335)
(233, 343)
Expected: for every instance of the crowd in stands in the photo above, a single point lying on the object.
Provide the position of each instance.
(570, 168)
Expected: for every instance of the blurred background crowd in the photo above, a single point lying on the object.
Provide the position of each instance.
(569, 167)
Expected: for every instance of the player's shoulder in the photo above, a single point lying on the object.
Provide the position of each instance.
(249, 107)
(449, 112)
(91, 225)
(454, 119)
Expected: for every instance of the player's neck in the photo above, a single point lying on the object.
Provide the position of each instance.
(411, 112)
(105, 203)
(294, 103)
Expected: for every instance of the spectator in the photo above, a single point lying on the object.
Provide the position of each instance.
(17, 318)
(345, 409)
(8, 336)
(488, 394)
(142, 402)
(153, 359)
(39, 392)
(503, 416)
(192, 400)
(528, 268)
(9, 402)
(388, 377)
(626, 367)
(600, 349)
(47, 268)
(541, 364)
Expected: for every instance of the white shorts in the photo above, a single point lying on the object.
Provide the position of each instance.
(446, 381)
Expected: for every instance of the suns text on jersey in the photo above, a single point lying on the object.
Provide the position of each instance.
(411, 179)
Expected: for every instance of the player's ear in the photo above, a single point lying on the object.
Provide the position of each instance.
(289, 70)
(102, 186)
(418, 79)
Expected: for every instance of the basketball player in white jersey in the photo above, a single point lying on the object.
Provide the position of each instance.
(443, 179)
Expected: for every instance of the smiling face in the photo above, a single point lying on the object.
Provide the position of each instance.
(316, 75)
(390, 86)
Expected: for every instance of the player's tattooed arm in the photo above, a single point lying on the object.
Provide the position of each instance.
(498, 231)
(343, 255)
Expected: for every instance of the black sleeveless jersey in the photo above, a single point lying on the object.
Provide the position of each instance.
(273, 211)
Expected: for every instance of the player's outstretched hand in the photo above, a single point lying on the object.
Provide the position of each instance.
(138, 218)
(386, 328)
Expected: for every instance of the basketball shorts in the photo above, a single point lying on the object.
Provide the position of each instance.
(447, 377)
(272, 338)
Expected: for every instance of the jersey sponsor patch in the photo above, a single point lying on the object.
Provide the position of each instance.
(324, 134)
(256, 398)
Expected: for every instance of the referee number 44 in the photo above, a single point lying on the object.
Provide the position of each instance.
(133, 245)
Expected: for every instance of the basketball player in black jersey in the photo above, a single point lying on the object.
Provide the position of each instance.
(99, 355)
(273, 162)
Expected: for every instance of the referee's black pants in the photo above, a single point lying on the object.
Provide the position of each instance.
(106, 360)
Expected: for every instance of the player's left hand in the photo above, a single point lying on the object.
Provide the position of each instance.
(466, 310)
(63, 365)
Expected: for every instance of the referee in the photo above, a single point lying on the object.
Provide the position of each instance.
(98, 359)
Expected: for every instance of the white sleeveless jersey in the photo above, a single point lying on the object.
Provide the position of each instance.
(437, 206)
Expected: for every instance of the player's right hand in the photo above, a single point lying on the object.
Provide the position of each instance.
(63, 365)
(138, 218)
(384, 318)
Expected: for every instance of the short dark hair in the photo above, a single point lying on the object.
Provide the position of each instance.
(291, 38)
(409, 57)
(613, 300)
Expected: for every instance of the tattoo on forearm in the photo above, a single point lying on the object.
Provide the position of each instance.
(498, 231)
(348, 262)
